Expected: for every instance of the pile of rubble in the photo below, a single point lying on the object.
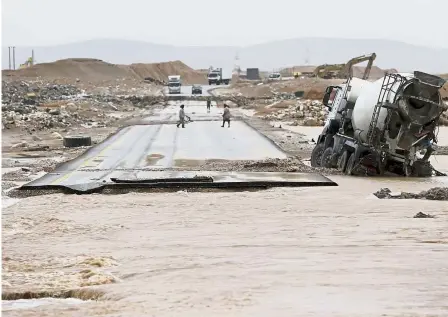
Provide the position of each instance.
(302, 112)
(34, 93)
(436, 193)
(289, 165)
(35, 106)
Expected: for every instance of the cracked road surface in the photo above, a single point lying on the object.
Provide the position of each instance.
(135, 151)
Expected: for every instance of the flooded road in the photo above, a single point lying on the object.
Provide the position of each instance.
(335, 251)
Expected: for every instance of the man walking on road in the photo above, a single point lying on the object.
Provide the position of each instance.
(209, 103)
(181, 117)
(226, 116)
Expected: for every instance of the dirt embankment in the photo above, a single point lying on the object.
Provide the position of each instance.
(313, 88)
(358, 71)
(96, 71)
(161, 71)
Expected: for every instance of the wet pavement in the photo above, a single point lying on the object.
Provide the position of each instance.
(136, 150)
(186, 90)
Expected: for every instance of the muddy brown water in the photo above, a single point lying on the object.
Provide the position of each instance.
(329, 251)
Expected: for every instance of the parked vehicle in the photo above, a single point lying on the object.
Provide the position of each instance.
(274, 76)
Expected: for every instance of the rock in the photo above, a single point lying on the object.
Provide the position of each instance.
(54, 112)
(19, 145)
(112, 106)
(383, 193)
(71, 106)
(436, 193)
(36, 138)
(57, 135)
(423, 215)
(310, 122)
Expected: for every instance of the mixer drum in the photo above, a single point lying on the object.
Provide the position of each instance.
(416, 105)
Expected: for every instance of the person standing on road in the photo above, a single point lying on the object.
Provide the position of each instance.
(209, 103)
(226, 116)
(181, 117)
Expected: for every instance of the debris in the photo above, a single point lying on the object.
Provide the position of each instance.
(19, 145)
(422, 215)
(77, 141)
(436, 193)
(56, 135)
(36, 106)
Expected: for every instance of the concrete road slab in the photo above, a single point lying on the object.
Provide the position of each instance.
(134, 153)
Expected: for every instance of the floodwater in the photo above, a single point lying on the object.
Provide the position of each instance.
(329, 251)
(313, 132)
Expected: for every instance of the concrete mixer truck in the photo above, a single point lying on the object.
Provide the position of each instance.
(388, 125)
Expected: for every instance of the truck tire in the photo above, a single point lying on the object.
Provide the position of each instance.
(342, 161)
(316, 155)
(77, 141)
(350, 165)
(326, 160)
(419, 169)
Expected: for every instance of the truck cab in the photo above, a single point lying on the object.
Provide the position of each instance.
(174, 84)
(214, 77)
(219, 76)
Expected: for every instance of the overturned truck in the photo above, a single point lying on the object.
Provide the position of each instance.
(386, 125)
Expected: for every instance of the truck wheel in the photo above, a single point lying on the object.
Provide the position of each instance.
(342, 161)
(350, 165)
(419, 169)
(316, 155)
(77, 140)
(326, 160)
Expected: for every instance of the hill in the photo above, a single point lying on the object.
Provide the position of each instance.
(95, 71)
(266, 56)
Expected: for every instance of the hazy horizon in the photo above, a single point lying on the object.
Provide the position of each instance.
(214, 46)
(230, 23)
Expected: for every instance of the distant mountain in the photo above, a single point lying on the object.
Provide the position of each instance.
(267, 56)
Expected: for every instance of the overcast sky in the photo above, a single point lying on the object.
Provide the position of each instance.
(222, 22)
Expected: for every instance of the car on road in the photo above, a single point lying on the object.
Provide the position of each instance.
(275, 76)
(196, 90)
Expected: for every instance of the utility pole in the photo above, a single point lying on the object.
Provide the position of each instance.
(9, 56)
(14, 57)
(32, 57)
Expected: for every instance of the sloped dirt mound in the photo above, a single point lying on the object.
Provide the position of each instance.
(161, 71)
(84, 69)
(95, 71)
(375, 72)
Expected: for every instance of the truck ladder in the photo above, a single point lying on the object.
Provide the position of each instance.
(389, 81)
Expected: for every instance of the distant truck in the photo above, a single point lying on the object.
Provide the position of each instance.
(219, 76)
(274, 76)
(174, 84)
